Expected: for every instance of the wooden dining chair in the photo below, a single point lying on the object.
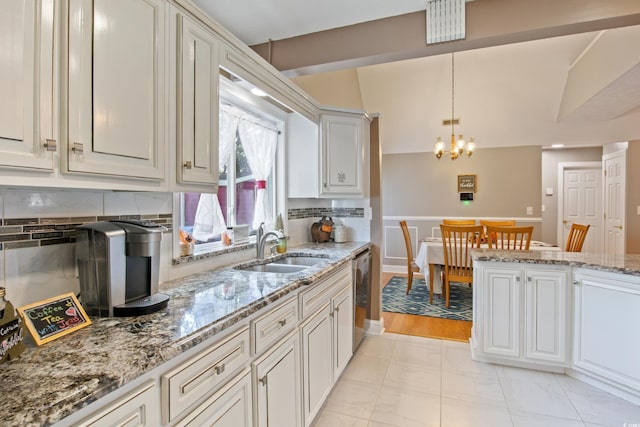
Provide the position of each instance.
(459, 221)
(412, 267)
(484, 223)
(509, 238)
(576, 237)
(457, 242)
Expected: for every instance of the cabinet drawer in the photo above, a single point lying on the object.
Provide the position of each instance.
(138, 408)
(230, 406)
(195, 379)
(318, 294)
(274, 325)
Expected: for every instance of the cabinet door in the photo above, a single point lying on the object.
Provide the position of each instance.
(606, 317)
(343, 155)
(26, 84)
(546, 312)
(277, 386)
(317, 372)
(197, 109)
(342, 329)
(501, 317)
(116, 88)
(229, 407)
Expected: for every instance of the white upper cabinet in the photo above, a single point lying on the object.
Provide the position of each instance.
(116, 88)
(197, 105)
(26, 84)
(344, 162)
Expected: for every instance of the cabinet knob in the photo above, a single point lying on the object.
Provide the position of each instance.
(283, 322)
(263, 380)
(576, 283)
(528, 278)
(77, 148)
(187, 164)
(219, 369)
(517, 278)
(50, 144)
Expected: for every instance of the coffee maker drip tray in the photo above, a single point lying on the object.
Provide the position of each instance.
(142, 306)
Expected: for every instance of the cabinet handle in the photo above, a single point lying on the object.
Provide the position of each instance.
(50, 144)
(618, 227)
(337, 308)
(187, 164)
(528, 278)
(77, 148)
(283, 322)
(263, 381)
(517, 278)
(219, 369)
(576, 283)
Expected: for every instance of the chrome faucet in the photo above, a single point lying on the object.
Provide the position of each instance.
(261, 237)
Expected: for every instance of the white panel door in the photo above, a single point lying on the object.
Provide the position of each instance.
(197, 94)
(582, 204)
(501, 311)
(277, 386)
(317, 372)
(26, 84)
(614, 196)
(342, 329)
(546, 310)
(343, 155)
(116, 96)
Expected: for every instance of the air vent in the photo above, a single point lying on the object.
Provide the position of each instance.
(445, 20)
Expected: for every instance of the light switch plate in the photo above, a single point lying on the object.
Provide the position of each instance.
(529, 210)
(549, 191)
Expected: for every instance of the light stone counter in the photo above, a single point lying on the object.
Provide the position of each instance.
(47, 383)
(624, 264)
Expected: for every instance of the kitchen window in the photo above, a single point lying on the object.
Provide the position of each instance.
(248, 143)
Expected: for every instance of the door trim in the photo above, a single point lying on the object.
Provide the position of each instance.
(562, 166)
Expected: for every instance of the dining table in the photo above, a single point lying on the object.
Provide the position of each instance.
(430, 259)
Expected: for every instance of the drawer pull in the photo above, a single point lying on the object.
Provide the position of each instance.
(77, 148)
(283, 322)
(219, 369)
(263, 381)
(50, 144)
(187, 164)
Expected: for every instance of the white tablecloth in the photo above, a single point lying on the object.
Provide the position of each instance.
(431, 252)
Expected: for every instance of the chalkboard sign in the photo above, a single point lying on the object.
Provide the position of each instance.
(52, 318)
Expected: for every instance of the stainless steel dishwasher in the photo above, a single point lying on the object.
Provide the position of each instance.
(361, 292)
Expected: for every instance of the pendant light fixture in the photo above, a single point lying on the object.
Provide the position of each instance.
(460, 146)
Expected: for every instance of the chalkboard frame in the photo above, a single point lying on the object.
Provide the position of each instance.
(64, 298)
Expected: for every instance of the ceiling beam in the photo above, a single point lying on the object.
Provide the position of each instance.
(489, 23)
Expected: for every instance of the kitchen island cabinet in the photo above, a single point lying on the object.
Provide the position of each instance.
(575, 314)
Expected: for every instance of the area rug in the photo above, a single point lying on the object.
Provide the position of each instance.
(395, 300)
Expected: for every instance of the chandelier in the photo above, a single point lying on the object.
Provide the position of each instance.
(460, 146)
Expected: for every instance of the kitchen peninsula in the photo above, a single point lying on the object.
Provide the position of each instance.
(572, 313)
(219, 333)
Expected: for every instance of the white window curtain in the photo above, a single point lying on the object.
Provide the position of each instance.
(259, 140)
(209, 221)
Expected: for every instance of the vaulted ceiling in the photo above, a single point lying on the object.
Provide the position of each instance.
(578, 89)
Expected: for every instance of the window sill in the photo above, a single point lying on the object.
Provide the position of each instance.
(212, 251)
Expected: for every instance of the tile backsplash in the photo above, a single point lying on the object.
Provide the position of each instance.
(37, 235)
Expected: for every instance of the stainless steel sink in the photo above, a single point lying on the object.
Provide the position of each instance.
(273, 267)
(287, 264)
(299, 260)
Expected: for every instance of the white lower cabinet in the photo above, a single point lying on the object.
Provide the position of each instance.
(606, 342)
(277, 385)
(522, 314)
(137, 408)
(228, 407)
(327, 339)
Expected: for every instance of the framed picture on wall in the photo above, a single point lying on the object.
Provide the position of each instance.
(467, 184)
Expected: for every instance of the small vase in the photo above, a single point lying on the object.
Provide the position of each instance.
(186, 248)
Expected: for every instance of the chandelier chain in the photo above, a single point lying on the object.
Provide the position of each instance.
(453, 84)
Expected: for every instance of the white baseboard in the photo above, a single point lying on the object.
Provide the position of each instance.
(374, 327)
(402, 269)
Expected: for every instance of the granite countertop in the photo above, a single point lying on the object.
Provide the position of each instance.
(624, 264)
(47, 383)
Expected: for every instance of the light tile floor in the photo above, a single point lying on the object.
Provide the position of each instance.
(401, 380)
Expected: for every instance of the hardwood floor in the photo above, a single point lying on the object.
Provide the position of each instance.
(423, 326)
